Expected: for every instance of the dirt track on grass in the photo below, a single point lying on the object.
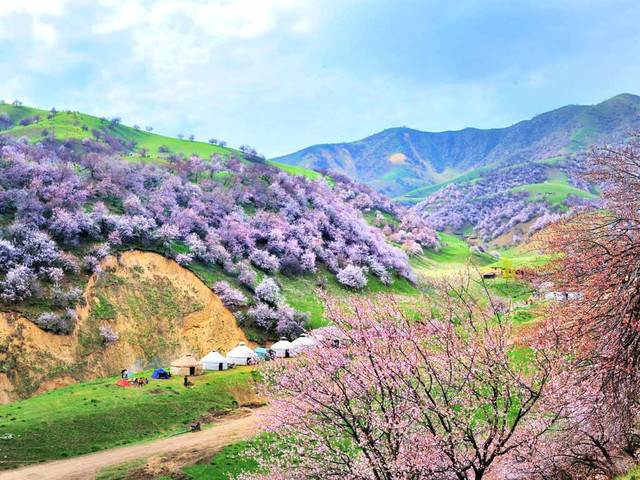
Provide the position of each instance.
(232, 428)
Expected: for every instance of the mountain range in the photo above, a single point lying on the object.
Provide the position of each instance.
(400, 160)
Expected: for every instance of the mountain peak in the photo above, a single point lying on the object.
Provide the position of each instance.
(435, 157)
(626, 97)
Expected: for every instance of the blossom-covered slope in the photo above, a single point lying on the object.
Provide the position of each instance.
(505, 205)
(64, 208)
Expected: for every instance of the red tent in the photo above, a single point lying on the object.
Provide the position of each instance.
(123, 382)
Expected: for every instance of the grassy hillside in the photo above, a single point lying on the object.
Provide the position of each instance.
(98, 415)
(427, 156)
(76, 126)
(554, 176)
(454, 256)
(419, 194)
(552, 193)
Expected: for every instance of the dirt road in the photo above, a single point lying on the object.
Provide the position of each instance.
(232, 429)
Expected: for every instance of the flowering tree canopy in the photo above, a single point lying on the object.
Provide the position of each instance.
(420, 394)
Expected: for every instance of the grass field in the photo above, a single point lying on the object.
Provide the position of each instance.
(553, 193)
(229, 462)
(99, 415)
(453, 256)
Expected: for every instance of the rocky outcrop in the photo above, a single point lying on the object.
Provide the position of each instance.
(157, 308)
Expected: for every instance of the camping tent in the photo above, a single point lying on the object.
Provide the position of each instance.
(123, 382)
(283, 348)
(265, 353)
(214, 361)
(242, 355)
(160, 373)
(302, 342)
(186, 365)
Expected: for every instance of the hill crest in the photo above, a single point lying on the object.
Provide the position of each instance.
(434, 157)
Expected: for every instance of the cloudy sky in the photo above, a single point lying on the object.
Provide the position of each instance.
(285, 74)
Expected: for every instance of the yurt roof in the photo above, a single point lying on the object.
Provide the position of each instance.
(282, 345)
(326, 332)
(213, 357)
(186, 361)
(242, 351)
(303, 340)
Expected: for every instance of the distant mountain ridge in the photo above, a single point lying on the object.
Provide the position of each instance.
(398, 160)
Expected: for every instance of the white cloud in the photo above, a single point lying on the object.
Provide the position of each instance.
(34, 8)
(279, 74)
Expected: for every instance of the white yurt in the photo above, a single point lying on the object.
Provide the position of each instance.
(242, 355)
(327, 336)
(214, 361)
(302, 342)
(284, 348)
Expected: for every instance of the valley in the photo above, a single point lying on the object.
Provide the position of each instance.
(311, 240)
(492, 184)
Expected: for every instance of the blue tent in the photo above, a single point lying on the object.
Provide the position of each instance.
(160, 373)
(265, 353)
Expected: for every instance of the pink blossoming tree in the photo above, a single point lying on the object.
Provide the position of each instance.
(440, 393)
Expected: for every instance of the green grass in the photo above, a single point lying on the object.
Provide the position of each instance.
(397, 172)
(632, 475)
(553, 193)
(69, 126)
(99, 415)
(510, 289)
(119, 472)
(229, 462)
(295, 170)
(453, 256)
(419, 194)
(370, 217)
(302, 292)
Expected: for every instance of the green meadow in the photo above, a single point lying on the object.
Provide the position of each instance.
(99, 415)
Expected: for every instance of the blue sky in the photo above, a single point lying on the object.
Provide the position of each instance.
(285, 74)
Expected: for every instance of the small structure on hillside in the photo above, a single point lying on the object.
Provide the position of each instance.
(302, 342)
(265, 354)
(161, 374)
(491, 272)
(242, 355)
(186, 365)
(328, 336)
(123, 382)
(214, 361)
(283, 348)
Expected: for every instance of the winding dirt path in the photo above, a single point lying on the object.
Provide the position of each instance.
(233, 428)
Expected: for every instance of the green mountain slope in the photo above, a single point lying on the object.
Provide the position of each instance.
(399, 160)
(66, 126)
